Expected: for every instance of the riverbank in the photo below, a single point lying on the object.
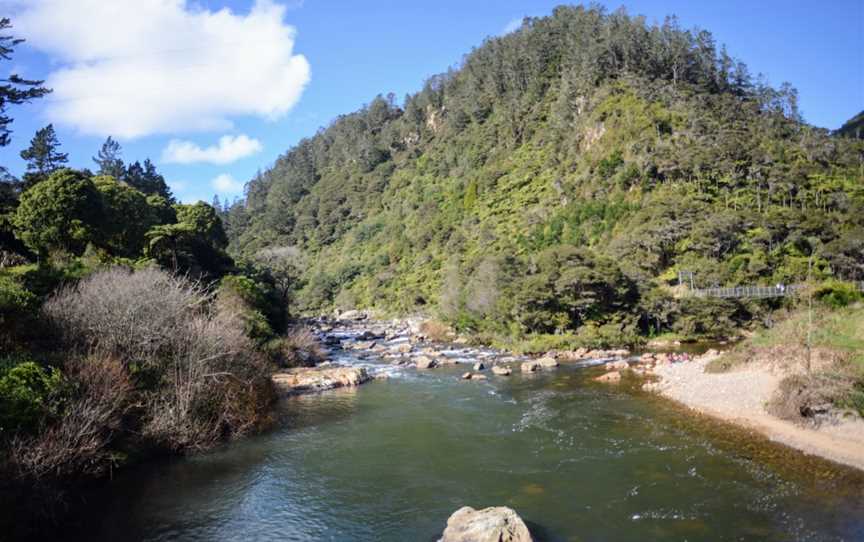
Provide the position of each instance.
(740, 396)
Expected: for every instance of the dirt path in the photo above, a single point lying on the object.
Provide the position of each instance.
(739, 397)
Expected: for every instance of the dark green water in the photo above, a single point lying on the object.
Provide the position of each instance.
(393, 459)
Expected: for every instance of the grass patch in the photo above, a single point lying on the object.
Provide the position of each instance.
(836, 379)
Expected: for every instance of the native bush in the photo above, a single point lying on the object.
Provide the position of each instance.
(77, 444)
(28, 395)
(837, 294)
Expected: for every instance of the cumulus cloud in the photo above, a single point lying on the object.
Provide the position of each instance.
(131, 68)
(229, 149)
(226, 184)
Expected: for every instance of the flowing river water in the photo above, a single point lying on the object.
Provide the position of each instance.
(392, 459)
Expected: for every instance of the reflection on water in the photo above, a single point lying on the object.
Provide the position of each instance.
(579, 461)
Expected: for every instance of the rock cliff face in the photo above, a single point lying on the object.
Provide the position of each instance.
(494, 524)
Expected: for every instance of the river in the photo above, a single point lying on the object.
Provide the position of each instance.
(392, 459)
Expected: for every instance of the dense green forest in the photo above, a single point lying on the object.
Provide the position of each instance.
(557, 181)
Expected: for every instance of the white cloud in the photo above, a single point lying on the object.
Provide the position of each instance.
(226, 184)
(130, 68)
(229, 149)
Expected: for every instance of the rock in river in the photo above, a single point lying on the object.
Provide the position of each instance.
(309, 379)
(545, 362)
(495, 524)
(500, 370)
(425, 362)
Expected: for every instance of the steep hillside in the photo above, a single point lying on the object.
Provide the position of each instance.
(558, 180)
(853, 127)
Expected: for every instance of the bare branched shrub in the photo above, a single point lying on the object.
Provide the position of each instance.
(437, 331)
(198, 375)
(812, 398)
(301, 348)
(77, 444)
(131, 315)
(216, 386)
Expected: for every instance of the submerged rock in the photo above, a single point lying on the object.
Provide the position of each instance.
(495, 524)
(313, 379)
(617, 365)
(612, 377)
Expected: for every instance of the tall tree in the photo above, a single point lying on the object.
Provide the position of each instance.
(146, 179)
(14, 90)
(43, 156)
(109, 159)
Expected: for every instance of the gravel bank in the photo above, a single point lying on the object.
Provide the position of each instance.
(740, 396)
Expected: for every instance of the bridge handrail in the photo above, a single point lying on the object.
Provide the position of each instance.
(754, 291)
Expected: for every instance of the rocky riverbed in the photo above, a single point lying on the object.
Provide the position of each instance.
(397, 345)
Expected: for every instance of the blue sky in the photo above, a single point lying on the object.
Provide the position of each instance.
(339, 56)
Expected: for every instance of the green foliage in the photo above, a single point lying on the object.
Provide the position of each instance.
(28, 394)
(15, 300)
(127, 216)
(194, 244)
(708, 319)
(644, 147)
(43, 156)
(837, 294)
(61, 213)
(257, 303)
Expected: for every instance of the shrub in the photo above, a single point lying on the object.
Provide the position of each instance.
(837, 294)
(437, 331)
(28, 394)
(77, 444)
(14, 298)
(248, 299)
(811, 398)
(132, 316)
(199, 375)
(299, 348)
(216, 385)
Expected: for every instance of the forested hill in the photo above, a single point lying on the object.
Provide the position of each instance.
(557, 181)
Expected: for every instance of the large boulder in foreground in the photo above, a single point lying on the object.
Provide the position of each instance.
(495, 524)
(310, 379)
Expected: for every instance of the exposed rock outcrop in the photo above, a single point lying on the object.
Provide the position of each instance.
(500, 370)
(494, 524)
(311, 379)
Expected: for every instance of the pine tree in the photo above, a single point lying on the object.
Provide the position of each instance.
(108, 159)
(43, 155)
(14, 90)
(146, 179)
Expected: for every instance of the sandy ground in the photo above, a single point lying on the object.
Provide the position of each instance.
(739, 397)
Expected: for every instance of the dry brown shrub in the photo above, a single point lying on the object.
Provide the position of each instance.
(131, 315)
(811, 398)
(301, 348)
(199, 377)
(436, 331)
(77, 444)
(215, 386)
